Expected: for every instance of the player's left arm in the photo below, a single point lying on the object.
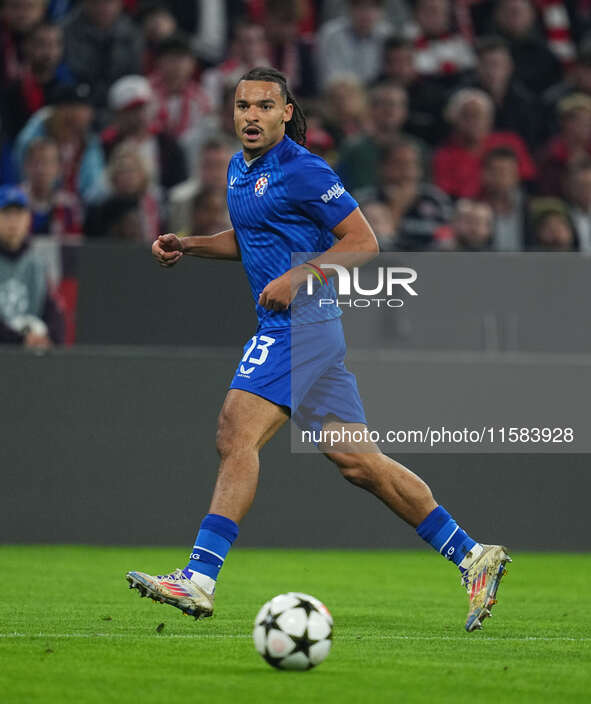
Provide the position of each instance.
(356, 244)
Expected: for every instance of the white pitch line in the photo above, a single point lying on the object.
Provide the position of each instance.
(244, 636)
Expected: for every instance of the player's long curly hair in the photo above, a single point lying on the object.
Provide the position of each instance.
(296, 127)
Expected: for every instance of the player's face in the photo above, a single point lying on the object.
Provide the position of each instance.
(260, 114)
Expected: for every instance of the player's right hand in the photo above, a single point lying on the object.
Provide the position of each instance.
(167, 250)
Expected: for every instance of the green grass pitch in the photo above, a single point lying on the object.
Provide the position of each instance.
(71, 631)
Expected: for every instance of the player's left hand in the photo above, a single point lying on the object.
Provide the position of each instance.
(279, 293)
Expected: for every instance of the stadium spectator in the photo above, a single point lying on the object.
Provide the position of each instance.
(396, 11)
(579, 16)
(54, 211)
(457, 163)
(536, 66)
(17, 19)
(353, 43)
(226, 117)
(157, 23)
(345, 108)
(579, 202)
(182, 108)
(360, 157)
(562, 26)
(318, 140)
(206, 23)
(211, 173)
(418, 208)
(426, 97)
(441, 51)
(287, 51)
(210, 213)
(573, 143)
(130, 99)
(248, 49)
(29, 315)
(552, 229)
(516, 108)
(380, 218)
(68, 121)
(118, 218)
(577, 80)
(102, 44)
(501, 189)
(471, 229)
(43, 72)
(308, 10)
(128, 181)
(557, 22)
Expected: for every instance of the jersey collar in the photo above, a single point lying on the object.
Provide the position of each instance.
(277, 150)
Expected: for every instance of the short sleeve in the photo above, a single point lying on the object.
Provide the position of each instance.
(316, 190)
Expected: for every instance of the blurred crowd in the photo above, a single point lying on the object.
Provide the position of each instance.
(459, 125)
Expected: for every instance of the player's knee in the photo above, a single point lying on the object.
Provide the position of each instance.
(354, 467)
(231, 437)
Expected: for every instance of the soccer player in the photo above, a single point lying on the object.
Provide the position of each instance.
(283, 199)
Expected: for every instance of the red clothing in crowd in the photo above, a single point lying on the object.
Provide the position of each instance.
(456, 169)
(443, 56)
(178, 114)
(257, 13)
(131, 5)
(61, 217)
(554, 18)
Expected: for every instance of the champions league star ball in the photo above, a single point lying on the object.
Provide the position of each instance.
(293, 631)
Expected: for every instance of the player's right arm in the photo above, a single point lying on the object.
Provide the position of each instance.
(167, 250)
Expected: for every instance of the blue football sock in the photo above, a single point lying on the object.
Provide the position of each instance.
(213, 542)
(441, 532)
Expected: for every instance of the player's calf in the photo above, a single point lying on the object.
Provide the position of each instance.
(400, 489)
(353, 468)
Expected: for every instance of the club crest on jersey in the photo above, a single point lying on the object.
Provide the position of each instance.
(260, 187)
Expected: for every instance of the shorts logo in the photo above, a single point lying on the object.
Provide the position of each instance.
(260, 187)
(335, 191)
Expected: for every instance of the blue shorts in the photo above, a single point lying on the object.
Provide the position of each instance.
(303, 369)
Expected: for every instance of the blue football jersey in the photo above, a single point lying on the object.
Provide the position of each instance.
(287, 201)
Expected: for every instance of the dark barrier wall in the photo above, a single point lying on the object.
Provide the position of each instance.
(125, 298)
(529, 302)
(116, 446)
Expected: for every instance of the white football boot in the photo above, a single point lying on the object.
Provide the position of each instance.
(482, 581)
(175, 589)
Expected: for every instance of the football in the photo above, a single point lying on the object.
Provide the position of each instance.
(293, 631)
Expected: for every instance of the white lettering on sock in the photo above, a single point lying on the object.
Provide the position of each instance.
(450, 537)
